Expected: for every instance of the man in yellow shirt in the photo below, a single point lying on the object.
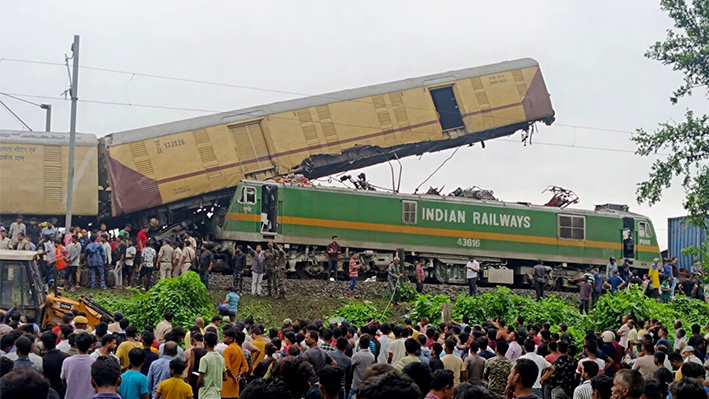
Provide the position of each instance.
(453, 362)
(174, 387)
(414, 331)
(127, 345)
(235, 361)
(654, 274)
(260, 343)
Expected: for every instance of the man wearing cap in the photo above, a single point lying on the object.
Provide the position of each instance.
(611, 268)
(688, 355)
(165, 259)
(80, 324)
(17, 228)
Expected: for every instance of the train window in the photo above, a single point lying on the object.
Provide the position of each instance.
(408, 212)
(644, 230)
(247, 195)
(14, 285)
(572, 227)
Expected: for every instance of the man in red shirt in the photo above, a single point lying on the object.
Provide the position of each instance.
(420, 276)
(142, 238)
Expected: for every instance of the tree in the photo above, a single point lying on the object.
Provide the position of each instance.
(685, 49)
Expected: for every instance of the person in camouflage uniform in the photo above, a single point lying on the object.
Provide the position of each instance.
(273, 253)
(271, 261)
(280, 274)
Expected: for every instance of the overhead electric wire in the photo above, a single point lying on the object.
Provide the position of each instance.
(208, 111)
(14, 115)
(21, 99)
(339, 124)
(437, 169)
(186, 80)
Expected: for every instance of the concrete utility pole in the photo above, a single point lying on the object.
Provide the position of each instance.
(48, 122)
(72, 129)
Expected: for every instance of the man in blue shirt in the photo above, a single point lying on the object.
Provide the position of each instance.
(95, 259)
(625, 271)
(597, 284)
(662, 333)
(160, 369)
(232, 301)
(134, 384)
(615, 282)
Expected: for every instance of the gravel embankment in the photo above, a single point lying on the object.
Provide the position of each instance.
(364, 290)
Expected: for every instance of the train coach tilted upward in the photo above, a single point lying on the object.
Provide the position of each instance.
(162, 175)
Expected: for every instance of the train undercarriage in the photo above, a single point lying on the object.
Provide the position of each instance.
(311, 262)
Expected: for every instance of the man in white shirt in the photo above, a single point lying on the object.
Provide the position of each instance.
(129, 263)
(17, 228)
(545, 368)
(396, 349)
(384, 340)
(471, 273)
(590, 370)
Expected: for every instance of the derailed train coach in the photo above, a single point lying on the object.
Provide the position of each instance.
(506, 238)
(34, 172)
(160, 175)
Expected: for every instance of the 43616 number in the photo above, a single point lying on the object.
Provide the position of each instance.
(469, 242)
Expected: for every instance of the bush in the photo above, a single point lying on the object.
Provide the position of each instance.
(690, 311)
(611, 308)
(500, 303)
(359, 313)
(185, 296)
(428, 306)
(407, 293)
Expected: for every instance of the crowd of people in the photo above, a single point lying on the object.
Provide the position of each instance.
(661, 282)
(131, 261)
(232, 358)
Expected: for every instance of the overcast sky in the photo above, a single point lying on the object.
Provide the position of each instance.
(591, 55)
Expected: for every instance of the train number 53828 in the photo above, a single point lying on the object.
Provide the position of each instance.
(468, 242)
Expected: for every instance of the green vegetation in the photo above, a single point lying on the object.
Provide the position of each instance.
(686, 143)
(187, 298)
(407, 293)
(503, 304)
(361, 312)
(428, 306)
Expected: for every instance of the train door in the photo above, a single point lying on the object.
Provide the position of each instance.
(447, 108)
(269, 209)
(629, 238)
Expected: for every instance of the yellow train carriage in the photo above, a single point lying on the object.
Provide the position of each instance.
(187, 160)
(34, 170)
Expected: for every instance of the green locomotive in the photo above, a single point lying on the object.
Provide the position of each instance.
(506, 238)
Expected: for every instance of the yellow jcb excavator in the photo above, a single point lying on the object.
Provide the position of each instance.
(22, 283)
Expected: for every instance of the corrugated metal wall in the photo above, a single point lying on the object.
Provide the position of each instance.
(683, 235)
